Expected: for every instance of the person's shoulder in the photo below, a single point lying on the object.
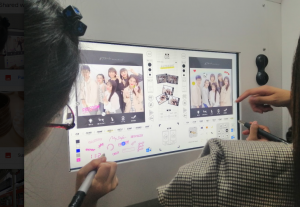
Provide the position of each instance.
(243, 145)
(241, 148)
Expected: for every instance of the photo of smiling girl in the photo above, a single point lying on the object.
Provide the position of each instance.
(124, 77)
(226, 93)
(111, 99)
(101, 91)
(133, 96)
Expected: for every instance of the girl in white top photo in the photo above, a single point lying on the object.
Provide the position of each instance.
(101, 91)
(205, 94)
(111, 99)
(133, 96)
(214, 96)
(226, 93)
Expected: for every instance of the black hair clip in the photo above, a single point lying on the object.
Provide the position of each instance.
(5, 22)
(73, 16)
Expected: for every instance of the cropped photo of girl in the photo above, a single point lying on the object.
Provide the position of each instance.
(101, 91)
(133, 96)
(214, 96)
(211, 81)
(111, 99)
(124, 77)
(205, 94)
(226, 93)
(220, 82)
(112, 74)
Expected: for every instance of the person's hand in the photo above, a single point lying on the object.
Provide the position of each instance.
(104, 181)
(136, 88)
(253, 136)
(263, 97)
(132, 71)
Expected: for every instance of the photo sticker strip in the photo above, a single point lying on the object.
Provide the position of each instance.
(168, 90)
(161, 78)
(174, 101)
(162, 98)
(173, 79)
(166, 78)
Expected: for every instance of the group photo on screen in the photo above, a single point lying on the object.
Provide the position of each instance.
(210, 88)
(109, 89)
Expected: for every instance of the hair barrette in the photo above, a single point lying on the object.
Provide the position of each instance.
(73, 16)
(5, 22)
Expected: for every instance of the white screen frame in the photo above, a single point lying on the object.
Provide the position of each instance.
(196, 51)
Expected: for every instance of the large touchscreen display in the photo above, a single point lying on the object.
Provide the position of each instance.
(132, 102)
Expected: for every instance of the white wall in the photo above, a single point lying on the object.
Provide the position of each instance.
(290, 34)
(244, 26)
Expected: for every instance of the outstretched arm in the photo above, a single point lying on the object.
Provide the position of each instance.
(263, 98)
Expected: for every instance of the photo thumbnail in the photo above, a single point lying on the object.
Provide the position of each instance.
(167, 78)
(162, 98)
(112, 85)
(173, 79)
(162, 78)
(174, 101)
(168, 90)
(12, 56)
(210, 87)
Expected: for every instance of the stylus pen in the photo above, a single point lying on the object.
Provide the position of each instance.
(263, 133)
(81, 193)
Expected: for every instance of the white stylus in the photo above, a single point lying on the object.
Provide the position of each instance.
(82, 191)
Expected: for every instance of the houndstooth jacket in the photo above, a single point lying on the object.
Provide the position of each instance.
(234, 173)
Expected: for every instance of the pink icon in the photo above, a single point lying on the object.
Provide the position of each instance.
(78, 159)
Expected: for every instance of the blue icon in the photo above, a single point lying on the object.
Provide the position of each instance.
(80, 27)
(232, 130)
(76, 10)
(148, 149)
(68, 13)
(123, 143)
(77, 150)
(232, 137)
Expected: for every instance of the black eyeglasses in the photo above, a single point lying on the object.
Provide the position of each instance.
(63, 120)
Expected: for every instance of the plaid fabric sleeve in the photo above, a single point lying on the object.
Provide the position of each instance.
(234, 173)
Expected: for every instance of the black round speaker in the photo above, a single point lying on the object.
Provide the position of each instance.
(261, 77)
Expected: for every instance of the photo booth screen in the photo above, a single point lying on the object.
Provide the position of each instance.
(12, 56)
(134, 102)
